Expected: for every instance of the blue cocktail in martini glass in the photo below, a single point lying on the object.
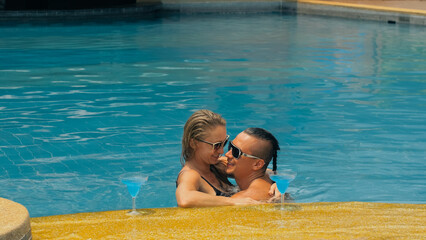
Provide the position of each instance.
(283, 179)
(134, 183)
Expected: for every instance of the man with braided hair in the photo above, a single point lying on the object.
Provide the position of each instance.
(248, 158)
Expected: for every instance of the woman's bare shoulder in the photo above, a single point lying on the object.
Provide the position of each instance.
(188, 170)
(188, 173)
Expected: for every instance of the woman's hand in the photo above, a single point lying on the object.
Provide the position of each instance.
(223, 160)
(221, 165)
(274, 193)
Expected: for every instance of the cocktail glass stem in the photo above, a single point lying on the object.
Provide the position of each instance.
(133, 204)
(133, 212)
(282, 201)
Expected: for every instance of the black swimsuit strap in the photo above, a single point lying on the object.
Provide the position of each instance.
(217, 191)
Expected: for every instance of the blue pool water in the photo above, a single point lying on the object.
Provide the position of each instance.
(81, 104)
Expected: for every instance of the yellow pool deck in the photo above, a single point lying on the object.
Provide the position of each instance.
(347, 220)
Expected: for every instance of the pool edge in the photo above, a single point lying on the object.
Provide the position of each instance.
(357, 11)
(323, 220)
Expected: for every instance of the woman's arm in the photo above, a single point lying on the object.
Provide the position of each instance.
(189, 194)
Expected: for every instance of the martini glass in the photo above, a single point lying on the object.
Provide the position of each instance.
(283, 179)
(134, 183)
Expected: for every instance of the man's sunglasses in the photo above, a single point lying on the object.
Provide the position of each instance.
(217, 145)
(236, 152)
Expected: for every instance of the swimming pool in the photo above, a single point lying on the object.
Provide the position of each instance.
(80, 104)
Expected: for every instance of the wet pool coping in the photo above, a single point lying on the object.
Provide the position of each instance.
(331, 8)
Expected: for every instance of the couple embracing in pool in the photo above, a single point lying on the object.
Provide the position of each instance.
(203, 179)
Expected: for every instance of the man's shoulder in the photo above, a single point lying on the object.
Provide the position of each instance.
(258, 190)
(260, 184)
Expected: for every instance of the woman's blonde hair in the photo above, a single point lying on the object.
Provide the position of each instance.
(196, 127)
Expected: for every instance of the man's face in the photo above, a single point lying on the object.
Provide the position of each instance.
(243, 165)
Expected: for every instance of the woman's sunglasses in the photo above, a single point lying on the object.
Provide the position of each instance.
(217, 145)
(236, 152)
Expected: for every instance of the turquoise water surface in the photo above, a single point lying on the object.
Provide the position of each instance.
(81, 104)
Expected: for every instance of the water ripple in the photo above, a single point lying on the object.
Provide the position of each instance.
(21, 97)
(76, 69)
(149, 75)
